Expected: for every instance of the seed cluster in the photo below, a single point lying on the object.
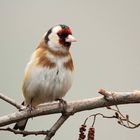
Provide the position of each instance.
(82, 135)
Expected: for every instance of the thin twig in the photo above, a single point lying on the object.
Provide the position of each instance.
(94, 117)
(122, 119)
(10, 101)
(25, 133)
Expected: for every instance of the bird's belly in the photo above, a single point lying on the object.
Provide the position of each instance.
(46, 85)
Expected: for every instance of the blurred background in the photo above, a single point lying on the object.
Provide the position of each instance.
(107, 55)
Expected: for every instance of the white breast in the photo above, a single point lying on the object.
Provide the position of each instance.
(48, 84)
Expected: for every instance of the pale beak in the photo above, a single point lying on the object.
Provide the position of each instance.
(70, 38)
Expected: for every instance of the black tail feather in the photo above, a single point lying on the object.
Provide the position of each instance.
(20, 125)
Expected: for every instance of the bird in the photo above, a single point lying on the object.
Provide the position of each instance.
(49, 73)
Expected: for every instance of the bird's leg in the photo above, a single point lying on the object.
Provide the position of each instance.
(63, 104)
(30, 107)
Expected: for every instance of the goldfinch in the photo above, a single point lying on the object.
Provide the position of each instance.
(49, 73)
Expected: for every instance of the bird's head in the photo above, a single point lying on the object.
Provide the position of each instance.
(59, 38)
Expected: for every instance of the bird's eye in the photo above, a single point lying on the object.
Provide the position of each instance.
(62, 35)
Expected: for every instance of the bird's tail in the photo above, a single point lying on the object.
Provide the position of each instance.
(21, 124)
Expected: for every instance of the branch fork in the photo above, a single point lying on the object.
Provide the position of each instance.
(108, 96)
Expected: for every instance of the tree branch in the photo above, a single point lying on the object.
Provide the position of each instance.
(73, 106)
(56, 126)
(108, 99)
(49, 133)
(24, 133)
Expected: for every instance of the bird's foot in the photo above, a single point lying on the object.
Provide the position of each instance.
(63, 105)
(30, 108)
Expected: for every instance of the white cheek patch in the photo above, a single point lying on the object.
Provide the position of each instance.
(53, 41)
(53, 37)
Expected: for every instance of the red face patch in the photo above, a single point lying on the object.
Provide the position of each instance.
(66, 31)
(63, 34)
